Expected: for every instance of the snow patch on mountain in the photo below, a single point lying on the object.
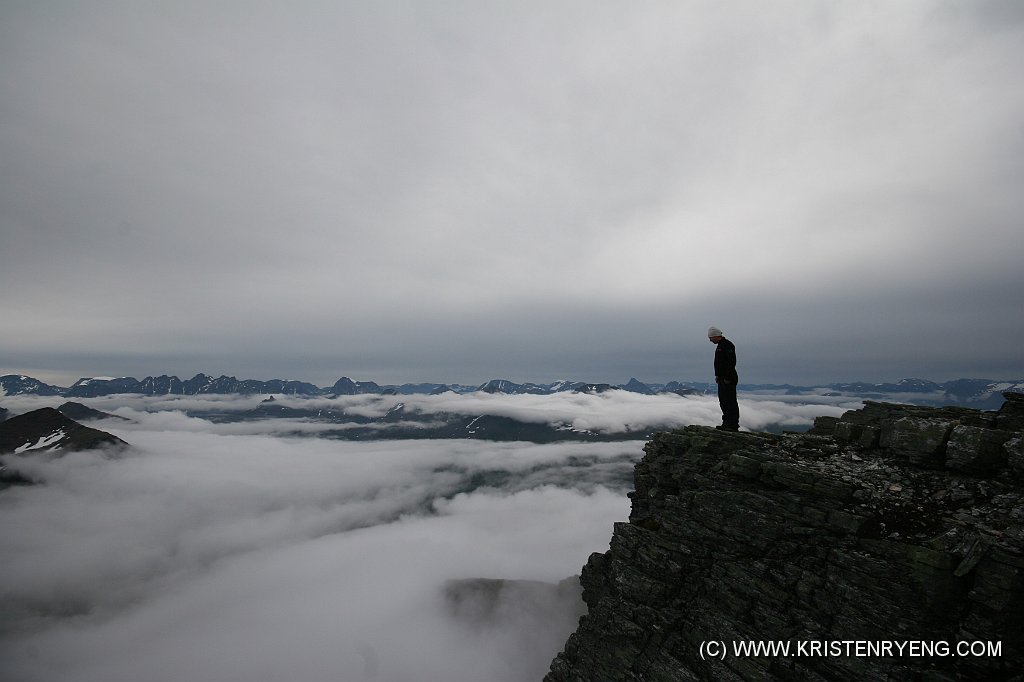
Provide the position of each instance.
(43, 443)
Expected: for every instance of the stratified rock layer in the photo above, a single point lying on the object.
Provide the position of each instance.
(891, 524)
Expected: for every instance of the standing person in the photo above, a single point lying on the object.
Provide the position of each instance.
(726, 378)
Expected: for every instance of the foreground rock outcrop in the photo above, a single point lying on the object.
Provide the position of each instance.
(872, 547)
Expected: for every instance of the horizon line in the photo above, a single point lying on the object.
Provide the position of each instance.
(484, 383)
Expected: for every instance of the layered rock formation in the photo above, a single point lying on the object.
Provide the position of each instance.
(870, 547)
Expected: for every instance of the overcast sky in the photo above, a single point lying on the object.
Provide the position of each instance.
(455, 191)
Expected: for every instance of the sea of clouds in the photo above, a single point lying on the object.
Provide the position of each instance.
(231, 551)
(610, 413)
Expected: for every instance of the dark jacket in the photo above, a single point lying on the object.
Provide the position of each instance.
(725, 361)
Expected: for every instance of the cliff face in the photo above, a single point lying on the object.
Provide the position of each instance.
(892, 524)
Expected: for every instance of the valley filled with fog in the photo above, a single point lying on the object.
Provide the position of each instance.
(230, 544)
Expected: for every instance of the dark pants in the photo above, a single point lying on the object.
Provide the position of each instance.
(730, 408)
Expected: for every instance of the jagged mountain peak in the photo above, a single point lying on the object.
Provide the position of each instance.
(634, 385)
(19, 384)
(346, 386)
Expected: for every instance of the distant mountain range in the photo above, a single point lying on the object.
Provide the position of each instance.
(981, 393)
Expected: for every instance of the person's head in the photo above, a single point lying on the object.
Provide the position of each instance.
(715, 334)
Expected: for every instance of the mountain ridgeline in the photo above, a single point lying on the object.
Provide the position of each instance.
(979, 393)
(204, 384)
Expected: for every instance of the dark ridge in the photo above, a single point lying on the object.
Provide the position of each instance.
(47, 430)
(81, 412)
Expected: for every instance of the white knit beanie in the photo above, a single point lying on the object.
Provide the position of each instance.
(714, 331)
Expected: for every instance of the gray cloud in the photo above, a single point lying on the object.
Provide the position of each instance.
(241, 556)
(232, 552)
(614, 412)
(456, 191)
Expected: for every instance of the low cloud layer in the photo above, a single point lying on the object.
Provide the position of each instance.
(236, 557)
(613, 412)
(207, 552)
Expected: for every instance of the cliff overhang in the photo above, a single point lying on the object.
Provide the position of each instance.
(893, 523)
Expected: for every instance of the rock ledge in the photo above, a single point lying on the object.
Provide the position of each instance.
(892, 523)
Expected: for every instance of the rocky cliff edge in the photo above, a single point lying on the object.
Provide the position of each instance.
(887, 544)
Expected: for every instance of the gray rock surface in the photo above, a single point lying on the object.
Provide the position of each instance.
(893, 524)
